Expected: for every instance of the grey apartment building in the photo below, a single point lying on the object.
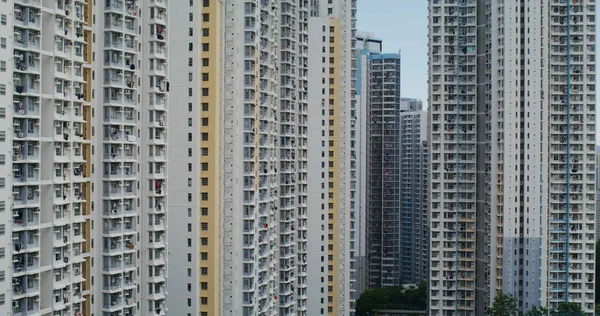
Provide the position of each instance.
(396, 186)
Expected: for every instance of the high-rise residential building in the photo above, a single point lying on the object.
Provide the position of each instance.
(45, 140)
(383, 171)
(597, 192)
(414, 186)
(366, 44)
(512, 192)
(259, 219)
(83, 197)
(130, 155)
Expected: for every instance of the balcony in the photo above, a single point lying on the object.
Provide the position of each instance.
(114, 6)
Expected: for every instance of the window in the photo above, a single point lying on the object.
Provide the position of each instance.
(189, 302)
(189, 227)
(204, 181)
(189, 137)
(191, 3)
(190, 77)
(189, 197)
(2, 206)
(204, 241)
(205, 17)
(2, 276)
(190, 167)
(204, 285)
(189, 242)
(206, 2)
(204, 211)
(189, 182)
(190, 46)
(190, 122)
(3, 19)
(205, 166)
(205, 62)
(189, 287)
(2, 229)
(205, 121)
(205, 47)
(3, 42)
(204, 92)
(190, 92)
(2, 113)
(204, 151)
(2, 66)
(190, 152)
(204, 76)
(2, 159)
(204, 107)
(2, 299)
(190, 273)
(190, 62)
(204, 226)
(2, 252)
(191, 31)
(205, 137)
(204, 256)
(190, 107)
(191, 16)
(204, 300)
(189, 212)
(204, 196)
(205, 32)
(2, 182)
(189, 257)
(204, 271)
(2, 89)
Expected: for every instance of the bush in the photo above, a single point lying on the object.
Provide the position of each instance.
(398, 297)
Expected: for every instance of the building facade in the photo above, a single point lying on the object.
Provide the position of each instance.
(85, 207)
(366, 45)
(260, 211)
(512, 193)
(46, 139)
(383, 171)
(130, 156)
(597, 192)
(414, 186)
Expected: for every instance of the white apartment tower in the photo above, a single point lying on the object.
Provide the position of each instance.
(130, 152)
(45, 142)
(512, 193)
(259, 214)
(83, 149)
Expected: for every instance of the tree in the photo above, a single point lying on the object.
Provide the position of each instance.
(570, 309)
(398, 297)
(535, 311)
(504, 305)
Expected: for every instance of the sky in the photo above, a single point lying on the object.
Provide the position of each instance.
(402, 25)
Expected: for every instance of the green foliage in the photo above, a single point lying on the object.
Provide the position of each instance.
(535, 311)
(412, 298)
(504, 305)
(570, 309)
